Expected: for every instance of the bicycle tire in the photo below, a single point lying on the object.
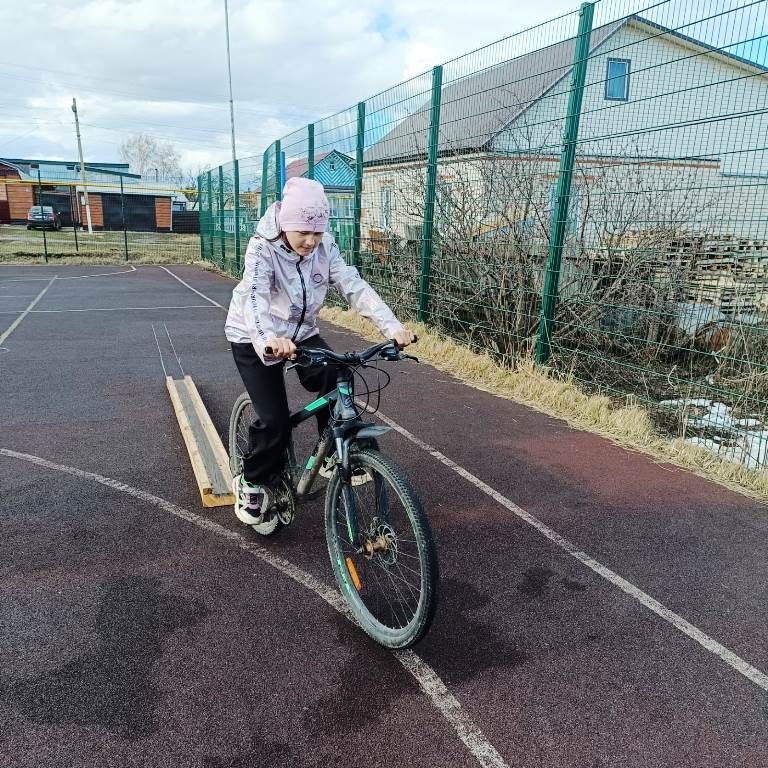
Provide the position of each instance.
(377, 620)
(239, 421)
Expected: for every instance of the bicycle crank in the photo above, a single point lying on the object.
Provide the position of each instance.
(284, 505)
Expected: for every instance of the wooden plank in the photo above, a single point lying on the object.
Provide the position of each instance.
(210, 462)
(198, 467)
(220, 453)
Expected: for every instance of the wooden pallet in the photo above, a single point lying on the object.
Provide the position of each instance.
(210, 461)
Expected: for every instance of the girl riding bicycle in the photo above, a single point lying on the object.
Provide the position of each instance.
(289, 265)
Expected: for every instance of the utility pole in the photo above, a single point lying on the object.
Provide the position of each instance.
(82, 168)
(229, 72)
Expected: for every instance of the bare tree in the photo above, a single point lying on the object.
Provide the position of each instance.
(620, 291)
(156, 160)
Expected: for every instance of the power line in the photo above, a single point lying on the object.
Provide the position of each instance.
(142, 96)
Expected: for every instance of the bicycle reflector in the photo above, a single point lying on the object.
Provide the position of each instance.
(353, 573)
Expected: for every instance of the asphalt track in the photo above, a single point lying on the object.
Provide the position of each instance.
(597, 608)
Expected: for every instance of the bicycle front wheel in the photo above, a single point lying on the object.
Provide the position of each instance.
(391, 586)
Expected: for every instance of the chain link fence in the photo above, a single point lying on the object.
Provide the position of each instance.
(590, 192)
(47, 213)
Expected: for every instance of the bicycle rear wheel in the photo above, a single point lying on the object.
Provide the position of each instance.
(240, 420)
(391, 586)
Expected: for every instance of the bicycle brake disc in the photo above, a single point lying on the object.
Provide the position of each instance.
(285, 504)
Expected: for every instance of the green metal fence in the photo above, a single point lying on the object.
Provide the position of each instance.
(590, 192)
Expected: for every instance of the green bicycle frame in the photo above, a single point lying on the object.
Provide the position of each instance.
(346, 426)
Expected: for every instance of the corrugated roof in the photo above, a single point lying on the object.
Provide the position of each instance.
(69, 172)
(474, 109)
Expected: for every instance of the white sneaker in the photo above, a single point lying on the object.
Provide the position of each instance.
(251, 501)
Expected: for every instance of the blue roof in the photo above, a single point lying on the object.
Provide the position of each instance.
(336, 170)
(333, 170)
(69, 171)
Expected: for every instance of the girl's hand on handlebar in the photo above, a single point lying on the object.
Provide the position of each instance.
(281, 349)
(403, 338)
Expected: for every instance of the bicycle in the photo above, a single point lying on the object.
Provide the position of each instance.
(379, 539)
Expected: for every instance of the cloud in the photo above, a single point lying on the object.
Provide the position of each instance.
(160, 67)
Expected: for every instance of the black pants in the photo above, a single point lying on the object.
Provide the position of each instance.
(270, 432)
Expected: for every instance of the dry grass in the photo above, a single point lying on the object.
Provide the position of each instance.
(630, 426)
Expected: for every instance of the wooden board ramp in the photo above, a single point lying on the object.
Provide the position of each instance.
(210, 461)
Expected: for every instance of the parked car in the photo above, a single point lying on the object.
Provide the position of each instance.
(43, 217)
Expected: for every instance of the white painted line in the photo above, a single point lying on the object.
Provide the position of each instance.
(25, 312)
(428, 680)
(165, 373)
(99, 274)
(74, 277)
(753, 674)
(107, 309)
(215, 303)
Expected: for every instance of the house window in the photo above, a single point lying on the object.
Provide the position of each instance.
(617, 80)
(332, 165)
(574, 207)
(386, 208)
(341, 206)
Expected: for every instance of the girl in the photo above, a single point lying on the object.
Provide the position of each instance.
(289, 265)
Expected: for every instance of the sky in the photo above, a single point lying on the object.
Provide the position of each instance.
(159, 66)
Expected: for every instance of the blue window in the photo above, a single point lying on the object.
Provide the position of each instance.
(617, 80)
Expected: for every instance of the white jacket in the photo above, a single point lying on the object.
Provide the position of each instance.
(278, 287)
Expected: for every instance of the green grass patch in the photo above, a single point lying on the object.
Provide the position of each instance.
(19, 245)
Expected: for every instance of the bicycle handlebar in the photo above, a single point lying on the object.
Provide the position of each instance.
(388, 350)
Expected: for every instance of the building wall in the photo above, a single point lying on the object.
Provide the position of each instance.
(610, 197)
(97, 213)
(20, 199)
(5, 214)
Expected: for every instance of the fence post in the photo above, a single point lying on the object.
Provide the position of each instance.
(221, 217)
(237, 217)
(40, 203)
(278, 172)
(358, 184)
(427, 227)
(563, 192)
(122, 214)
(210, 214)
(264, 176)
(311, 151)
(199, 187)
(72, 211)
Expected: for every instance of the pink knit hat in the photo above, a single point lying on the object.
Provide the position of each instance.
(304, 207)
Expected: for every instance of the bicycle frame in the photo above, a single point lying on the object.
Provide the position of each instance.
(345, 426)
